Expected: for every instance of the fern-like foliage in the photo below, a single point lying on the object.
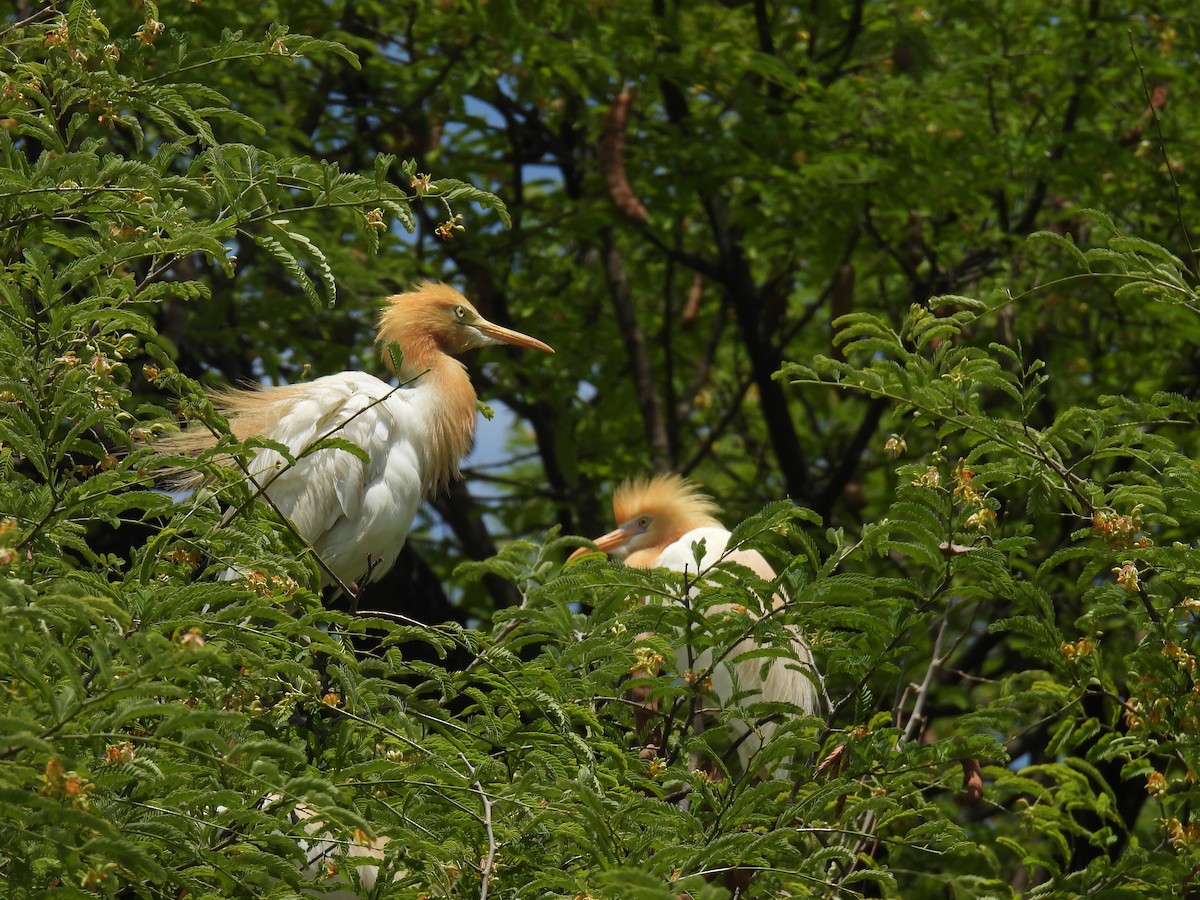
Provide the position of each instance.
(1065, 540)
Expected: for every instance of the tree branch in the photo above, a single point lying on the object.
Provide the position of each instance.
(649, 402)
(850, 457)
(744, 296)
(1082, 77)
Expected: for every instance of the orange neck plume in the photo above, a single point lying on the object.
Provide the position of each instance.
(646, 557)
(412, 324)
(452, 422)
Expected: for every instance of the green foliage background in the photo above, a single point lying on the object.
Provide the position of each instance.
(922, 270)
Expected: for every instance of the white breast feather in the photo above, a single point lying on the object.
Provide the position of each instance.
(680, 556)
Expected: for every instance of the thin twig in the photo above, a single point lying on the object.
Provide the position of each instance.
(490, 860)
(935, 663)
(48, 10)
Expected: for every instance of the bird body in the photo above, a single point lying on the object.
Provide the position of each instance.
(661, 521)
(742, 678)
(350, 510)
(356, 514)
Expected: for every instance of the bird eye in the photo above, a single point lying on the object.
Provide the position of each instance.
(643, 522)
(460, 311)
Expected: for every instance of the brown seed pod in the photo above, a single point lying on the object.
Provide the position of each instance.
(972, 782)
(612, 160)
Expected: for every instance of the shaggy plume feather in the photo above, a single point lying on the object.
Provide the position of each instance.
(670, 497)
(248, 411)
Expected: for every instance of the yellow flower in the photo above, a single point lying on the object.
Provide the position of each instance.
(930, 478)
(1156, 784)
(646, 658)
(1127, 577)
(980, 519)
(115, 754)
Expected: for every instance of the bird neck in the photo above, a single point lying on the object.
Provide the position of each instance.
(644, 558)
(448, 399)
(450, 413)
(647, 557)
(419, 352)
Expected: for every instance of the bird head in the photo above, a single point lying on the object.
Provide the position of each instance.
(652, 513)
(436, 318)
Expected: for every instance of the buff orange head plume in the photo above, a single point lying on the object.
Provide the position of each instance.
(415, 320)
(666, 497)
(433, 320)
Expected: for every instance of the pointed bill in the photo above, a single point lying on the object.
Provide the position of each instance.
(605, 544)
(499, 335)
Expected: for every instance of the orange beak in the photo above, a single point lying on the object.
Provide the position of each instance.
(508, 336)
(605, 544)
